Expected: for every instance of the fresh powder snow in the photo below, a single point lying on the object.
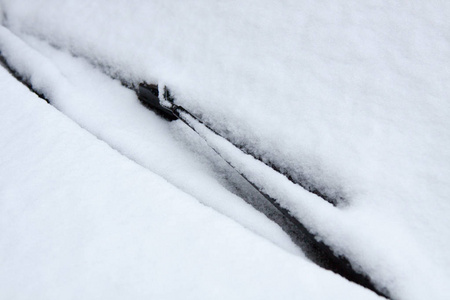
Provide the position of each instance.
(80, 220)
(351, 97)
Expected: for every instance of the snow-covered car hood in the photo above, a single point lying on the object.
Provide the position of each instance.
(351, 98)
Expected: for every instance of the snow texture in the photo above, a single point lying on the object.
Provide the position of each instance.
(350, 95)
(113, 114)
(80, 220)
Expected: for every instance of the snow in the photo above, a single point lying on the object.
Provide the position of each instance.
(352, 96)
(116, 116)
(80, 220)
(336, 226)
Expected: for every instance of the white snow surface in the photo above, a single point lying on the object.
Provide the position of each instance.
(351, 94)
(114, 114)
(80, 220)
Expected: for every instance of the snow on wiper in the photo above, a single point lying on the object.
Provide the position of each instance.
(150, 97)
(264, 178)
(253, 170)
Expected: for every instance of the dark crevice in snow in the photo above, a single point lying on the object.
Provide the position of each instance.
(333, 195)
(316, 250)
(319, 252)
(24, 80)
(336, 198)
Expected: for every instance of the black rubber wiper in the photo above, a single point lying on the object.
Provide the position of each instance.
(159, 100)
(148, 94)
